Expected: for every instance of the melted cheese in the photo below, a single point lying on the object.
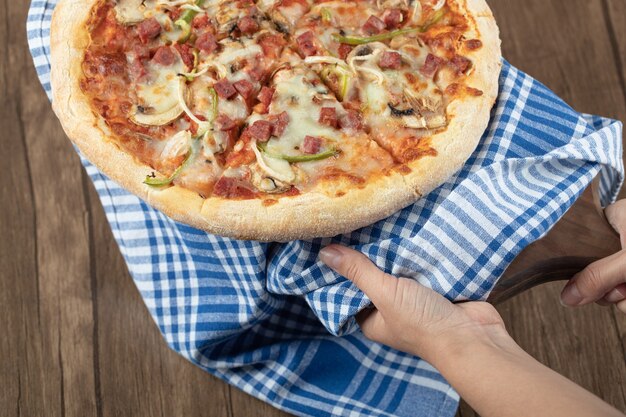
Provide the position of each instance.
(294, 95)
(293, 13)
(129, 11)
(160, 92)
(375, 98)
(274, 167)
(234, 51)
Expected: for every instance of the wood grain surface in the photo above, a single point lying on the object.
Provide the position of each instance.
(78, 340)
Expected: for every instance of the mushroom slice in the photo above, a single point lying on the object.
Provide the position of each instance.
(281, 23)
(278, 169)
(436, 121)
(146, 116)
(163, 109)
(267, 184)
(129, 12)
(162, 97)
(414, 122)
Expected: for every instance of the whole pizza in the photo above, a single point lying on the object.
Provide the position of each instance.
(275, 119)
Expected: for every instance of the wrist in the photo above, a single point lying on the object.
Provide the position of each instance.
(473, 344)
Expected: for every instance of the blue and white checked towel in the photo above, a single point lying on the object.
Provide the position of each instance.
(265, 317)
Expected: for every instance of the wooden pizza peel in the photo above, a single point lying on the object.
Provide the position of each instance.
(581, 237)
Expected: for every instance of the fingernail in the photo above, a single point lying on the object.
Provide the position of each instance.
(331, 256)
(570, 297)
(614, 296)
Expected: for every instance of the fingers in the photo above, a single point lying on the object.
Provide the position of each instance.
(595, 281)
(373, 325)
(616, 295)
(359, 269)
(616, 215)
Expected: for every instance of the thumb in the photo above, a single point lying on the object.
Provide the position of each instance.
(373, 326)
(595, 281)
(616, 215)
(361, 271)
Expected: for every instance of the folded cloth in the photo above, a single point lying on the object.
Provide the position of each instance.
(265, 317)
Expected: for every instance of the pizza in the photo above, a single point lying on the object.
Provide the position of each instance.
(275, 120)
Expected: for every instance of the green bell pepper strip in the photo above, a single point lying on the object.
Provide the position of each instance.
(344, 82)
(439, 14)
(359, 40)
(189, 14)
(326, 14)
(184, 22)
(162, 182)
(298, 158)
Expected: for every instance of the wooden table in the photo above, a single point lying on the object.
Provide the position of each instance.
(78, 340)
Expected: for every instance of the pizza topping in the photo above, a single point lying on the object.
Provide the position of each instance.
(373, 25)
(306, 44)
(431, 65)
(328, 117)
(236, 54)
(137, 70)
(190, 11)
(473, 44)
(164, 56)
(377, 37)
(261, 130)
(351, 120)
(148, 30)
(247, 25)
(393, 18)
(129, 12)
(400, 112)
(201, 21)
(245, 88)
(161, 94)
(370, 73)
(272, 45)
(183, 137)
(185, 19)
(275, 166)
(206, 42)
(390, 60)
(285, 13)
(225, 123)
(460, 64)
(359, 40)
(428, 112)
(187, 55)
(312, 141)
(280, 122)
(232, 187)
(344, 50)
(147, 116)
(311, 144)
(326, 14)
(257, 74)
(363, 56)
(270, 185)
(215, 103)
(225, 89)
(265, 98)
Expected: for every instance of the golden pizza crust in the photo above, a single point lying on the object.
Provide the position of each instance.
(304, 216)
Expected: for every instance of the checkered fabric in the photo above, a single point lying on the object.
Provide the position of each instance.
(266, 317)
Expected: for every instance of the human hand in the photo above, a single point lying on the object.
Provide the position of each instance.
(466, 342)
(410, 317)
(603, 281)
